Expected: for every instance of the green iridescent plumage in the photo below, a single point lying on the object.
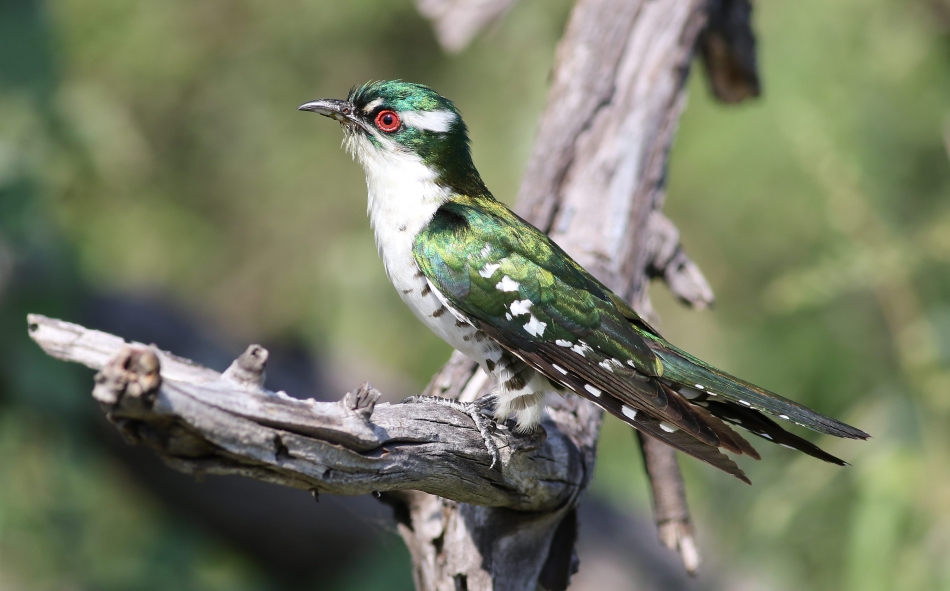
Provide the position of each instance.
(523, 290)
(474, 243)
(446, 153)
(521, 306)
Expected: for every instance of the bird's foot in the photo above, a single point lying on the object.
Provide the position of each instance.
(485, 425)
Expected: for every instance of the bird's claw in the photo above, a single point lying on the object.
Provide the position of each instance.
(485, 425)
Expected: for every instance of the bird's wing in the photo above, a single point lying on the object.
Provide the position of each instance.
(519, 287)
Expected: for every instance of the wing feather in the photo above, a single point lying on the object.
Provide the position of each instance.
(523, 291)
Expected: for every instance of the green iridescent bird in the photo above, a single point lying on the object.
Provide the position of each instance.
(500, 291)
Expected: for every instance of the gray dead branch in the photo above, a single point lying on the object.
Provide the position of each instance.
(203, 422)
(457, 22)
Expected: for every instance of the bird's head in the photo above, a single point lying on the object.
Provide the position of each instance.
(395, 119)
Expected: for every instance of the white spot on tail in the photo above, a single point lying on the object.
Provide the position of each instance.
(507, 284)
(690, 393)
(519, 307)
(766, 435)
(595, 391)
(628, 412)
(437, 121)
(489, 270)
(535, 327)
(786, 445)
(559, 368)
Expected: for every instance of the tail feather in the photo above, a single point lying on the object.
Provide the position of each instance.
(677, 438)
(682, 368)
(764, 427)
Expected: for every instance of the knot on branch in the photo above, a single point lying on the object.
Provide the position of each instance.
(669, 261)
(248, 369)
(362, 401)
(677, 535)
(131, 377)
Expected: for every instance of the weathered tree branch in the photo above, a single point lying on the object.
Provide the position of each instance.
(457, 22)
(201, 421)
(727, 46)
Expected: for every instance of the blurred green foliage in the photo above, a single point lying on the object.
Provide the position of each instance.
(154, 147)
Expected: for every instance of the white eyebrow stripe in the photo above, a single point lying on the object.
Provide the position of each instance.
(437, 121)
(372, 105)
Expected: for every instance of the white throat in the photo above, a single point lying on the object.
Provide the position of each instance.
(402, 198)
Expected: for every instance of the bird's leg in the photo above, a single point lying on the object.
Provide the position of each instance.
(485, 425)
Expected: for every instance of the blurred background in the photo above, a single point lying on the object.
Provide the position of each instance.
(157, 182)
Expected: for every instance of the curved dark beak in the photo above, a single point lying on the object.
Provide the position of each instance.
(333, 108)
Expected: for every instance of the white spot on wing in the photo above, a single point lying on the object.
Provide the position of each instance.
(437, 121)
(559, 368)
(595, 391)
(535, 327)
(507, 284)
(563, 343)
(489, 270)
(610, 365)
(667, 427)
(486, 250)
(765, 435)
(519, 307)
(581, 348)
(507, 315)
(744, 402)
(628, 412)
(783, 417)
(786, 445)
(700, 387)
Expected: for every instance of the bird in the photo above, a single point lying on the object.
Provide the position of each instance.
(503, 293)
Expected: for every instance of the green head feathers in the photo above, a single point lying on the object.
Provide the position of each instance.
(405, 119)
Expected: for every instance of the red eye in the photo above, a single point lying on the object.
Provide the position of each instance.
(387, 121)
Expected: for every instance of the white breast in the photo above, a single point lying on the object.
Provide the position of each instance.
(403, 197)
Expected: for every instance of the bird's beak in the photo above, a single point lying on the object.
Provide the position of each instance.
(342, 111)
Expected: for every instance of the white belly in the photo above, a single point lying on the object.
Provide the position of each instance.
(430, 308)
